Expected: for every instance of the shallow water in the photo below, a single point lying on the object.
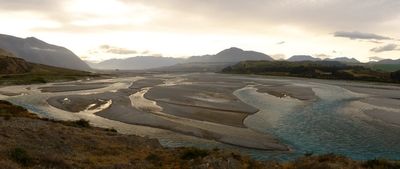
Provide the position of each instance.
(320, 127)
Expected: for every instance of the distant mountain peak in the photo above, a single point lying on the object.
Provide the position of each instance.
(230, 51)
(232, 54)
(298, 58)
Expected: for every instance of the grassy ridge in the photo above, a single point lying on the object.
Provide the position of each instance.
(310, 69)
(385, 67)
(43, 74)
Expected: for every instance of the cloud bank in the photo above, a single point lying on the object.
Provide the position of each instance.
(388, 47)
(360, 35)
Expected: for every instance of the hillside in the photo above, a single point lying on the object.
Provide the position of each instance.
(15, 70)
(36, 51)
(9, 64)
(311, 69)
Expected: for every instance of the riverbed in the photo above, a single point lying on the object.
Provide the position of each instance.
(266, 117)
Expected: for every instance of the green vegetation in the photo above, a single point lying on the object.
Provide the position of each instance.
(20, 156)
(310, 69)
(381, 164)
(81, 123)
(154, 158)
(193, 153)
(385, 67)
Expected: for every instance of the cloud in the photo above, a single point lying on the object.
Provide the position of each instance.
(375, 58)
(279, 56)
(388, 47)
(281, 43)
(322, 56)
(121, 51)
(360, 35)
(117, 50)
(328, 14)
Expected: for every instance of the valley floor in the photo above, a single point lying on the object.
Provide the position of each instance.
(266, 117)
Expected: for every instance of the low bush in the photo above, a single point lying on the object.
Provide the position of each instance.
(82, 123)
(380, 164)
(20, 156)
(193, 153)
(153, 158)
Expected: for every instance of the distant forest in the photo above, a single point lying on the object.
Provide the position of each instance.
(313, 69)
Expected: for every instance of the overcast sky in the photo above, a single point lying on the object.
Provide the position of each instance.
(103, 29)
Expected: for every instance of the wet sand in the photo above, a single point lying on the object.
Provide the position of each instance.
(66, 88)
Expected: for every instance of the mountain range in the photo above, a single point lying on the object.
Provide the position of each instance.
(226, 57)
(36, 51)
(298, 58)
(137, 63)
(231, 55)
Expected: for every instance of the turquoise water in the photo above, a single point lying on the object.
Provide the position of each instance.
(321, 128)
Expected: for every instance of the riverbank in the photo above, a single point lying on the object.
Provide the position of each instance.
(27, 141)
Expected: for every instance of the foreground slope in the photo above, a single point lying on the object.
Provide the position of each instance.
(36, 51)
(27, 141)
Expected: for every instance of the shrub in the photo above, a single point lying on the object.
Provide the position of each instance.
(82, 123)
(20, 156)
(111, 130)
(380, 163)
(7, 117)
(308, 154)
(192, 153)
(153, 158)
(38, 80)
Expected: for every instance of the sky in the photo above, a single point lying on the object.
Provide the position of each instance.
(97, 30)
